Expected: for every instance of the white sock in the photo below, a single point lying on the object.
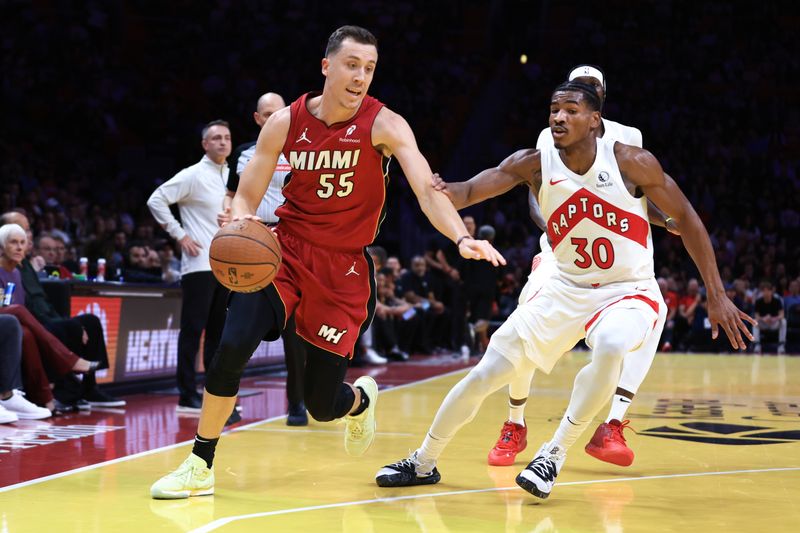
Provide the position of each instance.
(519, 389)
(619, 406)
(568, 432)
(432, 447)
(516, 413)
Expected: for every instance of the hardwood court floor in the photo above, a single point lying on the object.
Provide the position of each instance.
(718, 449)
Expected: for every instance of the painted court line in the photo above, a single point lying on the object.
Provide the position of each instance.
(333, 431)
(211, 526)
(178, 444)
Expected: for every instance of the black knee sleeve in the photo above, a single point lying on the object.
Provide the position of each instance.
(323, 410)
(226, 369)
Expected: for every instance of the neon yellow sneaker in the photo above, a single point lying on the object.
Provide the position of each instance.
(360, 430)
(192, 478)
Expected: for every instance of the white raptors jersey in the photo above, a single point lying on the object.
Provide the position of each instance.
(600, 234)
(612, 131)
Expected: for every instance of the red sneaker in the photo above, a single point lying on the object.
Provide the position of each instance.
(513, 439)
(608, 444)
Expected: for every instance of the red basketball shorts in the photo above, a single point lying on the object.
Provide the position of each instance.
(331, 292)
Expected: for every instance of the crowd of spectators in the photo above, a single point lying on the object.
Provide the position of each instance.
(115, 108)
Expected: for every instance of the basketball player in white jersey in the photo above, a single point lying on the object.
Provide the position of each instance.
(608, 444)
(592, 194)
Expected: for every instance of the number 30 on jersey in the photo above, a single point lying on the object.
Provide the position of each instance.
(330, 185)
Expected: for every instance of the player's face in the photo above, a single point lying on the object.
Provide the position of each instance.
(594, 82)
(217, 143)
(349, 72)
(571, 118)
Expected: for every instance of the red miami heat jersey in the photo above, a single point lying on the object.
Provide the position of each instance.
(600, 233)
(336, 191)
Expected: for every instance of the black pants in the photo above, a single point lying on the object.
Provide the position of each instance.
(295, 355)
(202, 308)
(70, 332)
(260, 315)
(10, 353)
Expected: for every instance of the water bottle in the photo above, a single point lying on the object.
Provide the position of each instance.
(101, 270)
(9, 293)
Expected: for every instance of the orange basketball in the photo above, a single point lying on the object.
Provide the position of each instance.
(245, 256)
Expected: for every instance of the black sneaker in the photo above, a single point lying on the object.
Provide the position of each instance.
(83, 405)
(192, 404)
(406, 473)
(235, 417)
(297, 415)
(98, 398)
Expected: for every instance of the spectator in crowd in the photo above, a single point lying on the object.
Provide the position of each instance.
(686, 309)
(419, 291)
(40, 349)
(481, 285)
(13, 404)
(446, 266)
(198, 191)
(393, 263)
(10, 363)
(82, 334)
(792, 296)
(47, 247)
(770, 317)
(396, 321)
(671, 299)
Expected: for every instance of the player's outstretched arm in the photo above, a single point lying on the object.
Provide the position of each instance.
(257, 174)
(642, 168)
(392, 134)
(489, 183)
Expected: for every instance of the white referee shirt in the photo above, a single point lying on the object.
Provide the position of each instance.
(273, 198)
(198, 190)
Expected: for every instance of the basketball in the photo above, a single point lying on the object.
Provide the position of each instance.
(245, 256)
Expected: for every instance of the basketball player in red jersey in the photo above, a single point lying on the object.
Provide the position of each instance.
(338, 143)
(593, 194)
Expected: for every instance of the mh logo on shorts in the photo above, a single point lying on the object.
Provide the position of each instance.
(330, 334)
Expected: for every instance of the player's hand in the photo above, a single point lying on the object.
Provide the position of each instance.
(438, 183)
(474, 249)
(190, 246)
(722, 312)
(224, 217)
(255, 218)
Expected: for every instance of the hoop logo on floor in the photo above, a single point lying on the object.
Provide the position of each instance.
(719, 431)
(21, 439)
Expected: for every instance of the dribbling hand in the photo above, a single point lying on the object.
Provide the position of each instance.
(722, 312)
(474, 249)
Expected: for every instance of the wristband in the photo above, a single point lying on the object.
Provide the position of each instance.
(458, 242)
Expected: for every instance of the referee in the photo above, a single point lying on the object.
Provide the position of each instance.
(273, 198)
